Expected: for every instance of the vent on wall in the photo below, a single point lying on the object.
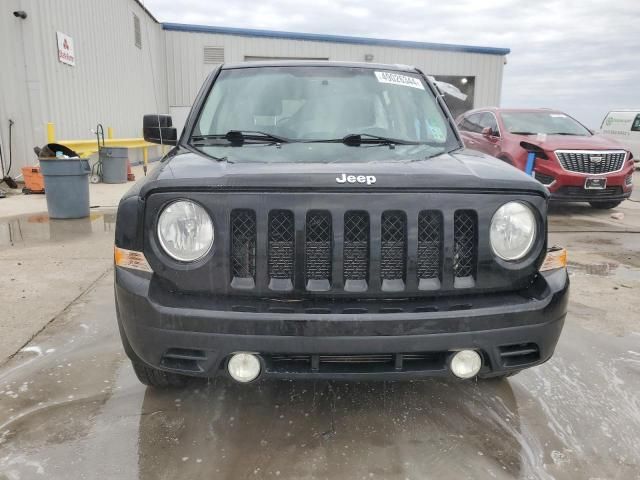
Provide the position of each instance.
(213, 55)
(137, 32)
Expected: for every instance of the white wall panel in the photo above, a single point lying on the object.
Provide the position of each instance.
(188, 70)
(113, 82)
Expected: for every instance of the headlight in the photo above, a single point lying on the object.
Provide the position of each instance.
(513, 230)
(185, 231)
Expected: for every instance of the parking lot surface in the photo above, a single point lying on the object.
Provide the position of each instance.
(71, 407)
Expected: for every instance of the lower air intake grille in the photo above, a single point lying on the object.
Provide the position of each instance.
(464, 243)
(544, 178)
(281, 245)
(318, 239)
(243, 244)
(394, 246)
(356, 246)
(520, 354)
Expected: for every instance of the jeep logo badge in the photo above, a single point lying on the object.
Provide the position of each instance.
(344, 178)
(596, 160)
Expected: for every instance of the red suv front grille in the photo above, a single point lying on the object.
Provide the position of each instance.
(592, 162)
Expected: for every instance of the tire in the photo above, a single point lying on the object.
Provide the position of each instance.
(158, 378)
(605, 205)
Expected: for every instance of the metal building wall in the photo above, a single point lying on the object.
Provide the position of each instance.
(186, 69)
(113, 82)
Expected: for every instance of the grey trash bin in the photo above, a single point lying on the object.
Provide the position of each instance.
(114, 164)
(66, 186)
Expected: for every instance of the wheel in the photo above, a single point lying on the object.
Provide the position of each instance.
(95, 179)
(158, 378)
(605, 205)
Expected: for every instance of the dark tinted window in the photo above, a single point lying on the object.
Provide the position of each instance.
(635, 127)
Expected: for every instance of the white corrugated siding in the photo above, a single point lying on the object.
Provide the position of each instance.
(186, 69)
(112, 82)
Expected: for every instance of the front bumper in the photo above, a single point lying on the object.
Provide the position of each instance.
(185, 335)
(569, 186)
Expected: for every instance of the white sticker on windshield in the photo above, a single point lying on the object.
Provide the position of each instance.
(397, 79)
(558, 115)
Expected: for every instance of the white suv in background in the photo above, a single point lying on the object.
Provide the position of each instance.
(623, 126)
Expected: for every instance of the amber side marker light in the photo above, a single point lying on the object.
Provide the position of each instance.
(130, 259)
(556, 258)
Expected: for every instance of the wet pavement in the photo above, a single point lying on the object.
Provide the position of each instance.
(71, 407)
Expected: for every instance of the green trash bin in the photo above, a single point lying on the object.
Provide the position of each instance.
(66, 186)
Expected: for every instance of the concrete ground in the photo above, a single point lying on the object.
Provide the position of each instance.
(71, 407)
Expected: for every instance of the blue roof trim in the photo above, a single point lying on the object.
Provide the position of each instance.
(316, 37)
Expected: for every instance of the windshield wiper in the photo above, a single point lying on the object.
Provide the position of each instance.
(566, 133)
(357, 139)
(524, 133)
(238, 137)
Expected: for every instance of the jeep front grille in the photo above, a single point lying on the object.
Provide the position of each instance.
(592, 162)
(338, 251)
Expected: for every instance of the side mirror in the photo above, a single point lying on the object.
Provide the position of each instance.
(159, 129)
(487, 132)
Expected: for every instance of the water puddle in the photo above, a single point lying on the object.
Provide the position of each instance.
(37, 228)
(606, 269)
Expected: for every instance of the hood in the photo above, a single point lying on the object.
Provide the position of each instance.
(568, 142)
(464, 170)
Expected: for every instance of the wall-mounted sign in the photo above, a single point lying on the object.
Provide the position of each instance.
(65, 49)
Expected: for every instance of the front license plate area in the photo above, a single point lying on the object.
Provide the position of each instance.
(595, 183)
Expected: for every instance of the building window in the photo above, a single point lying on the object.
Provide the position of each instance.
(137, 33)
(213, 55)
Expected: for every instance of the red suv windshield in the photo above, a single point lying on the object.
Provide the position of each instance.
(550, 123)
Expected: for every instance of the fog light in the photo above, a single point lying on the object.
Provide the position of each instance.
(244, 367)
(466, 363)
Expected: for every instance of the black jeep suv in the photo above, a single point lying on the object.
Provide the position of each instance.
(323, 220)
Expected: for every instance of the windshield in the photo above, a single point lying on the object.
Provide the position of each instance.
(316, 104)
(550, 123)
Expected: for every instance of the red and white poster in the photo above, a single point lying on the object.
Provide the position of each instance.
(65, 49)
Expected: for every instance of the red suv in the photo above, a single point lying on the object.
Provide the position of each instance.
(564, 155)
